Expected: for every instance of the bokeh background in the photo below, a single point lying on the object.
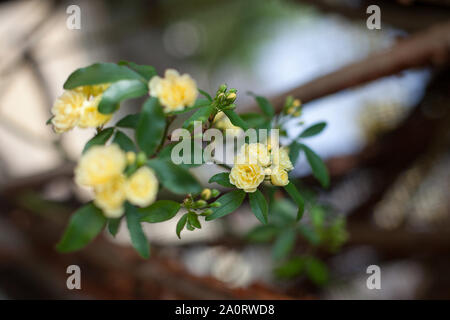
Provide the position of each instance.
(386, 146)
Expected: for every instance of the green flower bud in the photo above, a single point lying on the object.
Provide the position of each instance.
(215, 193)
(200, 203)
(215, 204)
(207, 212)
(141, 158)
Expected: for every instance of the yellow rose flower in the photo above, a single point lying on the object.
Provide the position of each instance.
(254, 153)
(279, 177)
(247, 176)
(111, 196)
(222, 122)
(281, 159)
(66, 110)
(90, 117)
(142, 187)
(99, 165)
(174, 92)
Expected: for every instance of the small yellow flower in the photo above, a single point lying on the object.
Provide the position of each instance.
(110, 197)
(222, 122)
(279, 177)
(174, 91)
(254, 153)
(281, 159)
(142, 187)
(247, 176)
(131, 157)
(99, 165)
(90, 117)
(66, 110)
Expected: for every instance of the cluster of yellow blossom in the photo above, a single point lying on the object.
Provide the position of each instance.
(102, 167)
(293, 107)
(174, 91)
(79, 107)
(257, 161)
(222, 122)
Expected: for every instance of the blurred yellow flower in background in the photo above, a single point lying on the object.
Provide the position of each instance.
(111, 196)
(174, 91)
(141, 188)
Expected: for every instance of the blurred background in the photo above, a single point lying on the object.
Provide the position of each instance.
(386, 146)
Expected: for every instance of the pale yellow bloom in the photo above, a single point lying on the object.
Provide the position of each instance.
(99, 165)
(174, 91)
(66, 110)
(254, 153)
(222, 122)
(111, 196)
(142, 187)
(247, 176)
(90, 117)
(279, 177)
(281, 159)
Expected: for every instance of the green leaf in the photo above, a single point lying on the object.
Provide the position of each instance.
(229, 203)
(138, 238)
(99, 73)
(119, 91)
(129, 121)
(151, 125)
(283, 244)
(201, 114)
(180, 225)
(313, 130)
(159, 211)
(262, 233)
(310, 234)
(113, 226)
(259, 206)
(296, 196)
(318, 167)
(317, 271)
(124, 142)
(199, 103)
(84, 225)
(294, 151)
(193, 220)
(206, 94)
(174, 178)
(99, 139)
(49, 121)
(291, 268)
(222, 178)
(265, 106)
(145, 71)
(254, 120)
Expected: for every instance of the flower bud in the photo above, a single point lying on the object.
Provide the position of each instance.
(200, 203)
(215, 193)
(206, 194)
(215, 204)
(141, 158)
(207, 212)
(231, 96)
(223, 87)
(131, 157)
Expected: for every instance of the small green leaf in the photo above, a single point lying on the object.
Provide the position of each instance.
(124, 142)
(202, 115)
(262, 233)
(138, 238)
(310, 234)
(206, 94)
(99, 139)
(129, 121)
(151, 125)
(193, 220)
(294, 151)
(113, 226)
(180, 225)
(229, 202)
(145, 71)
(199, 103)
(99, 73)
(254, 120)
(291, 268)
(296, 196)
(49, 121)
(318, 167)
(283, 244)
(119, 91)
(259, 206)
(174, 178)
(222, 178)
(84, 225)
(159, 211)
(265, 106)
(317, 271)
(313, 130)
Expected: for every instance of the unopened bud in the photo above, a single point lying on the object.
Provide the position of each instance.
(200, 203)
(141, 158)
(297, 103)
(215, 193)
(207, 212)
(131, 157)
(215, 204)
(206, 194)
(223, 87)
(231, 96)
